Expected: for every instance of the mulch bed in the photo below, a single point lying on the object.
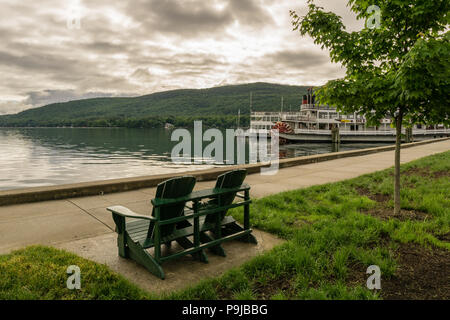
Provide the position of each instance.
(383, 212)
(422, 274)
(264, 291)
(267, 290)
(444, 237)
(378, 197)
(425, 172)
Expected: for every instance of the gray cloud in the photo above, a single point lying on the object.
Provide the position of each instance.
(12, 106)
(297, 60)
(194, 17)
(143, 46)
(46, 62)
(251, 13)
(103, 47)
(141, 74)
(180, 17)
(45, 97)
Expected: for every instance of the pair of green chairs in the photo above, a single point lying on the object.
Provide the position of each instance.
(202, 225)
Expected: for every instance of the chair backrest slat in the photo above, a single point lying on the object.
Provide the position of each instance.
(231, 179)
(172, 189)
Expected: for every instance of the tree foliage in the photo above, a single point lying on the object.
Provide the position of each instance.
(400, 67)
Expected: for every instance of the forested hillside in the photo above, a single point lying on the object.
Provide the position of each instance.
(217, 106)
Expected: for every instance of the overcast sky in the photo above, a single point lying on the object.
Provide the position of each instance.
(136, 47)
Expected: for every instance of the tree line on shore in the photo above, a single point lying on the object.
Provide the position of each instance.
(222, 122)
(217, 107)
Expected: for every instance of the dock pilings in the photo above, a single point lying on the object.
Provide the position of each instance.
(335, 136)
(409, 135)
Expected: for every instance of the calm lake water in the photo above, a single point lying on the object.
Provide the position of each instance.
(52, 156)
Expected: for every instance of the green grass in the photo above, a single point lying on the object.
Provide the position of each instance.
(327, 229)
(328, 234)
(39, 272)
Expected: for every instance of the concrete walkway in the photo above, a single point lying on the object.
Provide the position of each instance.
(181, 272)
(83, 224)
(51, 222)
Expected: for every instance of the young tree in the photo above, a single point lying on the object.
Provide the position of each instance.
(397, 65)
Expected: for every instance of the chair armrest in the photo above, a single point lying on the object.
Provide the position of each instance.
(127, 213)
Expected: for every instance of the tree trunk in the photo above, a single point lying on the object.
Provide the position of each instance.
(398, 146)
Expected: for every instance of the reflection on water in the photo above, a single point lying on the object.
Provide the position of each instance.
(308, 149)
(42, 157)
(52, 156)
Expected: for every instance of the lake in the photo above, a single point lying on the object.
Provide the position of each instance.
(32, 157)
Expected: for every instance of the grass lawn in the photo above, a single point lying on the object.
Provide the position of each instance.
(333, 232)
(39, 272)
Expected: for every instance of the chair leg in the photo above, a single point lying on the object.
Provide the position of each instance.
(186, 244)
(123, 250)
(201, 256)
(218, 250)
(140, 255)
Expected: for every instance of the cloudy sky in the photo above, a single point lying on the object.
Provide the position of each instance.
(55, 51)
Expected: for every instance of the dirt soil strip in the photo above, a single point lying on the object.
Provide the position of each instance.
(422, 274)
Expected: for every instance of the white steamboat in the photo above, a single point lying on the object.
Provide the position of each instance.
(318, 123)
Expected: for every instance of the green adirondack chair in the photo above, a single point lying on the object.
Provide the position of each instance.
(225, 225)
(134, 237)
(172, 220)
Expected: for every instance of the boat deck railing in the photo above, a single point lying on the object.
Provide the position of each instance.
(274, 114)
(317, 107)
(371, 132)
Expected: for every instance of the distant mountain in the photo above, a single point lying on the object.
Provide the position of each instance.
(216, 102)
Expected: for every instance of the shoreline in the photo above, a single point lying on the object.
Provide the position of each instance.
(37, 194)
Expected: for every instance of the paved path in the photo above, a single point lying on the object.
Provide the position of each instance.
(56, 222)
